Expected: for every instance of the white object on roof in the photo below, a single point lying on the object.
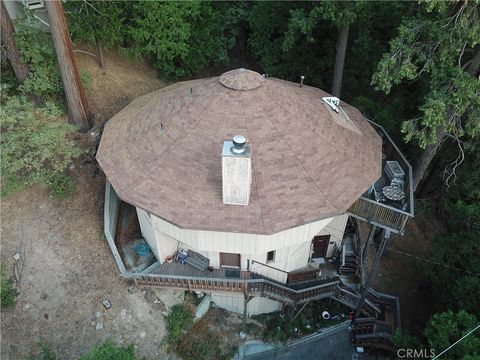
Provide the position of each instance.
(332, 101)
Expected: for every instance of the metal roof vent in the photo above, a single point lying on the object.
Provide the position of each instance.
(333, 102)
(239, 142)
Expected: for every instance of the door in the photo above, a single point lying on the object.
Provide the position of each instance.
(320, 246)
(230, 260)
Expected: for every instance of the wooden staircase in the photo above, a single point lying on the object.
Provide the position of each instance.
(373, 329)
(376, 332)
(349, 261)
(296, 293)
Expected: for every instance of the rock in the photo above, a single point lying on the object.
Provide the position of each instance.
(142, 334)
(99, 326)
(203, 307)
(157, 301)
(98, 314)
(123, 314)
(106, 304)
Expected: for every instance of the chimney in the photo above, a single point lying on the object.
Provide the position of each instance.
(236, 171)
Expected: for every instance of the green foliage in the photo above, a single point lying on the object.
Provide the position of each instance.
(455, 283)
(305, 21)
(179, 38)
(310, 320)
(403, 340)
(8, 292)
(36, 49)
(34, 147)
(431, 45)
(46, 351)
(86, 78)
(268, 23)
(443, 329)
(110, 351)
(179, 322)
(90, 20)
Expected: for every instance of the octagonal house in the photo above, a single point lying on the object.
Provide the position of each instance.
(242, 186)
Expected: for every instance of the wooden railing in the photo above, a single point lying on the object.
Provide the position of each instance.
(261, 287)
(380, 214)
(191, 282)
(350, 299)
(372, 333)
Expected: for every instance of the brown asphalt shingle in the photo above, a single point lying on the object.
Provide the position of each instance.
(306, 166)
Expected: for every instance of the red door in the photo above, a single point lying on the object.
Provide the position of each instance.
(320, 246)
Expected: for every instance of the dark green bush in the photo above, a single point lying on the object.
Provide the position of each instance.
(8, 292)
(179, 322)
(110, 351)
(34, 147)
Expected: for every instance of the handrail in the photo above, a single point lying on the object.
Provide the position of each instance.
(271, 267)
(236, 281)
(405, 161)
(386, 206)
(378, 213)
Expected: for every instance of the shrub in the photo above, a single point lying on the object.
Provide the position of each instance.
(110, 351)
(34, 147)
(46, 351)
(36, 49)
(178, 322)
(8, 292)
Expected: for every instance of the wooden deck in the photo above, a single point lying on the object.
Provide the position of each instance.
(184, 276)
(178, 269)
(388, 216)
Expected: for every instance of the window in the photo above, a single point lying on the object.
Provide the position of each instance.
(271, 256)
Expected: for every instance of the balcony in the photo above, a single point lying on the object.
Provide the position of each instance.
(373, 206)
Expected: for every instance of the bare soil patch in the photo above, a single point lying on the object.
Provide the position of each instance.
(68, 271)
(68, 266)
(399, 270)
(113, 87)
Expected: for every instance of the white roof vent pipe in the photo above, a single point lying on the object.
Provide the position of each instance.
(333, 102)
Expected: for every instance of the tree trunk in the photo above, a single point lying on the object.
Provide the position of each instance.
(429, 153)
(341, 49)
(8, 40)
(77, 105)
(101, 60)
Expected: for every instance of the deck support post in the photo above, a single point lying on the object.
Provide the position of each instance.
(364, 253)
(371, 235)
(246, 300)
(368, 284)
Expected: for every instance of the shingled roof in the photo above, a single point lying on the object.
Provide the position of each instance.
(162, 153)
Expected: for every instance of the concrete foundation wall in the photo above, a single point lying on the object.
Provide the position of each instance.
(235, 303)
